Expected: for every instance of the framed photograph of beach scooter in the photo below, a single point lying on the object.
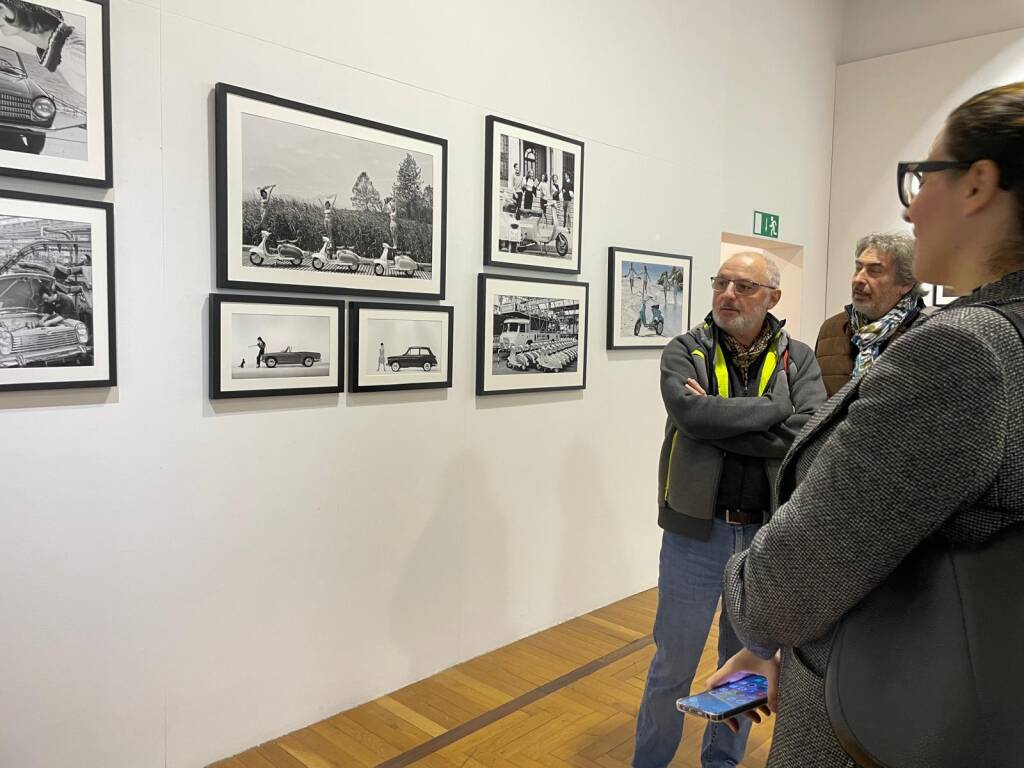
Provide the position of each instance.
(399, 346)
(55, 91)
(648, 297)
(314, 200)
(57, 325)
(268, 345)
(533, 198)
(531, 335)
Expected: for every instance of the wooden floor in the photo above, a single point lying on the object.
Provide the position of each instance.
(567, 696)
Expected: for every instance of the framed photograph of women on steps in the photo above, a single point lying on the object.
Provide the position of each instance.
(314, 200)
(55, 91)
(533, 198)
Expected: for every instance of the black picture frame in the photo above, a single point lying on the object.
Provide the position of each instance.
(345, 273)
(60, 259)
(216, 307)
(488, 356)
(494, 209)
(358, 308)
(614, 337)
(68, 115)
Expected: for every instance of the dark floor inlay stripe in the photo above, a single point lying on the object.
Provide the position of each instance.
(460, 732)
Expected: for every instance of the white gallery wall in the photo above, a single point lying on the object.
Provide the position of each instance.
(889, 109)
(181, 579)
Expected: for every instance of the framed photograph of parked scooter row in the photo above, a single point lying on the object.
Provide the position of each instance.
(648, 297)
(531, 335)
(269, 345)
(55, 91)
(399, 346)
(314, 200)
(533, 198)
(57, 325)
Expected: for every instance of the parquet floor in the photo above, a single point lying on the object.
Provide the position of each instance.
(565, 697)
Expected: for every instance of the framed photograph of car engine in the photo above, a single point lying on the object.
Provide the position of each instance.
(533, 198)
(648, 297)
(399, 346)
(531, 335)
(268, 345)
(317, 201)
(55, 91)
(57, 325)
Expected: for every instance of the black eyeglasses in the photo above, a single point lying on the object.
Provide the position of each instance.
(720, 284)
(909, 178)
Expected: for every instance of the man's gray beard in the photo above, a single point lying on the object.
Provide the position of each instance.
(740, 326)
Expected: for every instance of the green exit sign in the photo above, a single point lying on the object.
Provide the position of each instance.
(766, 224)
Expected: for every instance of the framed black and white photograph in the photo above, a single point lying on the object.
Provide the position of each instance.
(399, 346)
(648, 297)
(314, 200)
(531, 335)
(57, 326)
(267, 345)
(533, 198)
(55, 91)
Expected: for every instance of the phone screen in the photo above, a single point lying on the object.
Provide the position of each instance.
(730, 699)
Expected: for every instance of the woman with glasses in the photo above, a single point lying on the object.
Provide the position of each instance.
(929, 442)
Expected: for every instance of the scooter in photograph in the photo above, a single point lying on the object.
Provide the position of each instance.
(286, 253)
(342, 258)
(400, 262)
(522, 229)
(657, 323)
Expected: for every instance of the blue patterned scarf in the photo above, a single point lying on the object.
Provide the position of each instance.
(870, 335)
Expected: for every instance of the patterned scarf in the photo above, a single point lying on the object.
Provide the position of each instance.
(869, 336)
(744, 357)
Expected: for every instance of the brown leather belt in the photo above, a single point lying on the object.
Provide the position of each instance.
(742, 516)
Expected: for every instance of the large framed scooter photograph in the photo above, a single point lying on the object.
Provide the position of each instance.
(531, 335)
(314, 200)
(533, 198)
(648, 297)
(264, 346)
(55, 91)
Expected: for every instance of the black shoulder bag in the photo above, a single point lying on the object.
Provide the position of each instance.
(928, 670)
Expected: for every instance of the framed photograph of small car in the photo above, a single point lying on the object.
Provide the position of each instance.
(648, 297)
(399, 346)
(55, 91)
(312, 200)
(268, 345)
(531, 335)
(57, 326)
(533, 198)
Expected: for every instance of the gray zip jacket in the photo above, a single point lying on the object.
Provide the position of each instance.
(701, 429)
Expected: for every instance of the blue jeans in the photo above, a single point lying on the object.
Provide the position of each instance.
(689, 586)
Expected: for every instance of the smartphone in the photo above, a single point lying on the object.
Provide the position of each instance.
(728, 700)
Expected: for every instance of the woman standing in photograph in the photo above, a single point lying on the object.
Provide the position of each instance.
(60, 46)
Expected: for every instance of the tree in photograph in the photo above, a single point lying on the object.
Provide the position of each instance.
(408, 190)
(365, 196)
(428, 204)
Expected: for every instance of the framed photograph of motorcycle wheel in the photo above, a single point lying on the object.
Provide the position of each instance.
(531, 335)
(57, 325)
(648, 297)
(267, 345)
(55, 91)
(533, 198)
(399, 346)
(314, 200)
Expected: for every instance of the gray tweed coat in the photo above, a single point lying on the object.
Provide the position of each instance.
(929, 441)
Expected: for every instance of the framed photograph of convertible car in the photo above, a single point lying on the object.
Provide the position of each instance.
(316, 201)
(55, 91)
(56, 293)
(533, 198)
(648, 297)
(399, 346)
(531, 335)
(268, 345)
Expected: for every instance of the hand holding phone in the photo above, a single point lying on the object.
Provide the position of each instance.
(726, 701)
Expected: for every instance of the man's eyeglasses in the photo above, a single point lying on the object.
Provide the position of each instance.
(909, 175)
(720, 284)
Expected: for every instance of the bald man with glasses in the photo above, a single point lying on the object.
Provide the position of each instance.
(737, 389)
